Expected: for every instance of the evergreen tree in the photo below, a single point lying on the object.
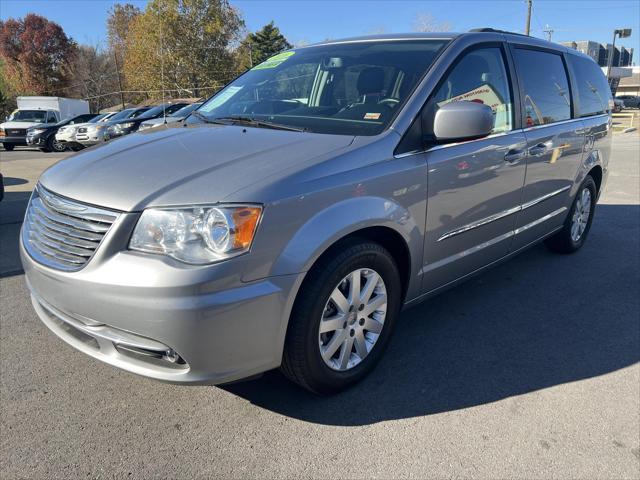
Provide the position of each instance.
(265, 43)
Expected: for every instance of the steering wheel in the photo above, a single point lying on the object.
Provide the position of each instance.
(389, 102)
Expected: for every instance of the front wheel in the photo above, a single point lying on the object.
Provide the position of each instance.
(578, 223)
(54, 145)
(343, 318)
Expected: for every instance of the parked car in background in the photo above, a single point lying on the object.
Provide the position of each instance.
(34, 111)
(618, 105)
(130, 125)
(630, 101)
(44, 136)
(97, 133)
(66, 135)
(293, 217)
(176, 116)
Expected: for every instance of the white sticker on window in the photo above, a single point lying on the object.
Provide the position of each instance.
(221, 98)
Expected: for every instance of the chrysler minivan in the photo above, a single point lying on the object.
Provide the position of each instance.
(289, 220)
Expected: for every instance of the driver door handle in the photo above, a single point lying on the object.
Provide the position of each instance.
(513, 156)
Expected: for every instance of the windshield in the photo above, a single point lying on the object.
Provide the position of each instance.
(350, 88)
(184, 111)
(122, 114)
(138, 112)
(29, 116)
(157, 111)
(98, 118)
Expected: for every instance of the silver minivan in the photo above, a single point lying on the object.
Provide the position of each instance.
(289, 220)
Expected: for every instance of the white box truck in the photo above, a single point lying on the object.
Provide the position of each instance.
(34, 111)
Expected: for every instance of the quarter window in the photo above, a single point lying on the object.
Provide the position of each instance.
(594, 94)
(547, 98)
(480, 76)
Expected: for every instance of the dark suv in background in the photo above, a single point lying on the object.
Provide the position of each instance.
(44, 136)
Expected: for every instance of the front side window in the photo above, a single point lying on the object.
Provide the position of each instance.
(547, 98)
(348, 88)
(593, 92)
(480, 76)
(51, 118)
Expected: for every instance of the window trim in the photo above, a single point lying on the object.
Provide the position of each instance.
(513, 46)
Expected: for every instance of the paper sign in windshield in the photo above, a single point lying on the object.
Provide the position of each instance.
(274, 61)
(221, 98)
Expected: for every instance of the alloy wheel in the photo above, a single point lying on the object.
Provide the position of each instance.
(352, 319)
(581, 214)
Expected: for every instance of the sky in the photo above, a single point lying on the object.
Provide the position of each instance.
(308, 21)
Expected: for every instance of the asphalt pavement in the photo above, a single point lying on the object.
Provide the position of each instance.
(530, 370)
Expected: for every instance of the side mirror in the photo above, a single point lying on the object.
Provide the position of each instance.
(462, 121)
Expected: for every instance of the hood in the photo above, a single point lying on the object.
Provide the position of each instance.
(160, 121)
(183, 165)
(20, 124)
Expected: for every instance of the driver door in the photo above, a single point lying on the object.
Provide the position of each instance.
(474, 187)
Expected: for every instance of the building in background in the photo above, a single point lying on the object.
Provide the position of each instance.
(622, 56)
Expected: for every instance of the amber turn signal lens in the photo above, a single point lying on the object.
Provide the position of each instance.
(245, 221)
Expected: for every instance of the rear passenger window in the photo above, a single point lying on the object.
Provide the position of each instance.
(480, 76)
(547, 98)
(594, 94)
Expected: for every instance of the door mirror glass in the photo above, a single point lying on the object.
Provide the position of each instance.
(462, 121)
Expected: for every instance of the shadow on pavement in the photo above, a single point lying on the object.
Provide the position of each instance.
(534, 322)
(11, 181)
(12, 209)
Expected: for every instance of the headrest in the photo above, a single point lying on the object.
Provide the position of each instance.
(371, 80)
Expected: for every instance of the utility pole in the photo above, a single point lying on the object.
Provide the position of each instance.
(527, 27)
(115, 56)
(549, 31)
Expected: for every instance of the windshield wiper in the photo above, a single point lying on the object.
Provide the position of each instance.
(257, 123)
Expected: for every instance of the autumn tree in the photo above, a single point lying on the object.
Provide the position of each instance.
(36, 54)
(264, 43)
(425, 22)
(182, 45)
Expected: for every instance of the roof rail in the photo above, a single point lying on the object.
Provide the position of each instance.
(493, 30)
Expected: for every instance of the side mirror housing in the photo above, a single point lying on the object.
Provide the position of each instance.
(462, 121)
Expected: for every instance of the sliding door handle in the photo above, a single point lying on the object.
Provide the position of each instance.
(539, 149)
(514, 156)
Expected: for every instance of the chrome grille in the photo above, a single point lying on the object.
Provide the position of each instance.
(61, 233)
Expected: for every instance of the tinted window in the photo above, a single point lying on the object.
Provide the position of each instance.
(547, 97)
(51, 118)
(480, 76)
(594, 94)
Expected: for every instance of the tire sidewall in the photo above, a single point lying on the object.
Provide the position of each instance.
(376, 259)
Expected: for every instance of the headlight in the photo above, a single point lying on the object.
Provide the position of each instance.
(124, 126)
(197, 235)
(35, 131)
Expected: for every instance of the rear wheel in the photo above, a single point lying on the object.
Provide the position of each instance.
(578, 223)
(343, 318)
(8, 146)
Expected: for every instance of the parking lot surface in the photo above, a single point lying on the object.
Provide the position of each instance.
(530, 370)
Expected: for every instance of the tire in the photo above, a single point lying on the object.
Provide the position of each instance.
(54, 146)
(8, 146)
(566, 241)
(303, 362)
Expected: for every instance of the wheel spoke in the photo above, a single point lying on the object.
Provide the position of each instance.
(333, 345)
(574, 230)
(354, 287)
(372, 325)
(374, 305)
(340, 301)
(367, 291)
(345, 353)
(361, 344)
(332, 323)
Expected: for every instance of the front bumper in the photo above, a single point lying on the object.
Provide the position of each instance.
(36, 140)
(14, 140)
(129, 310)
(91, 138)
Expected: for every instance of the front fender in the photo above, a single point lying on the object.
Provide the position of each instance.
(328, 226)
